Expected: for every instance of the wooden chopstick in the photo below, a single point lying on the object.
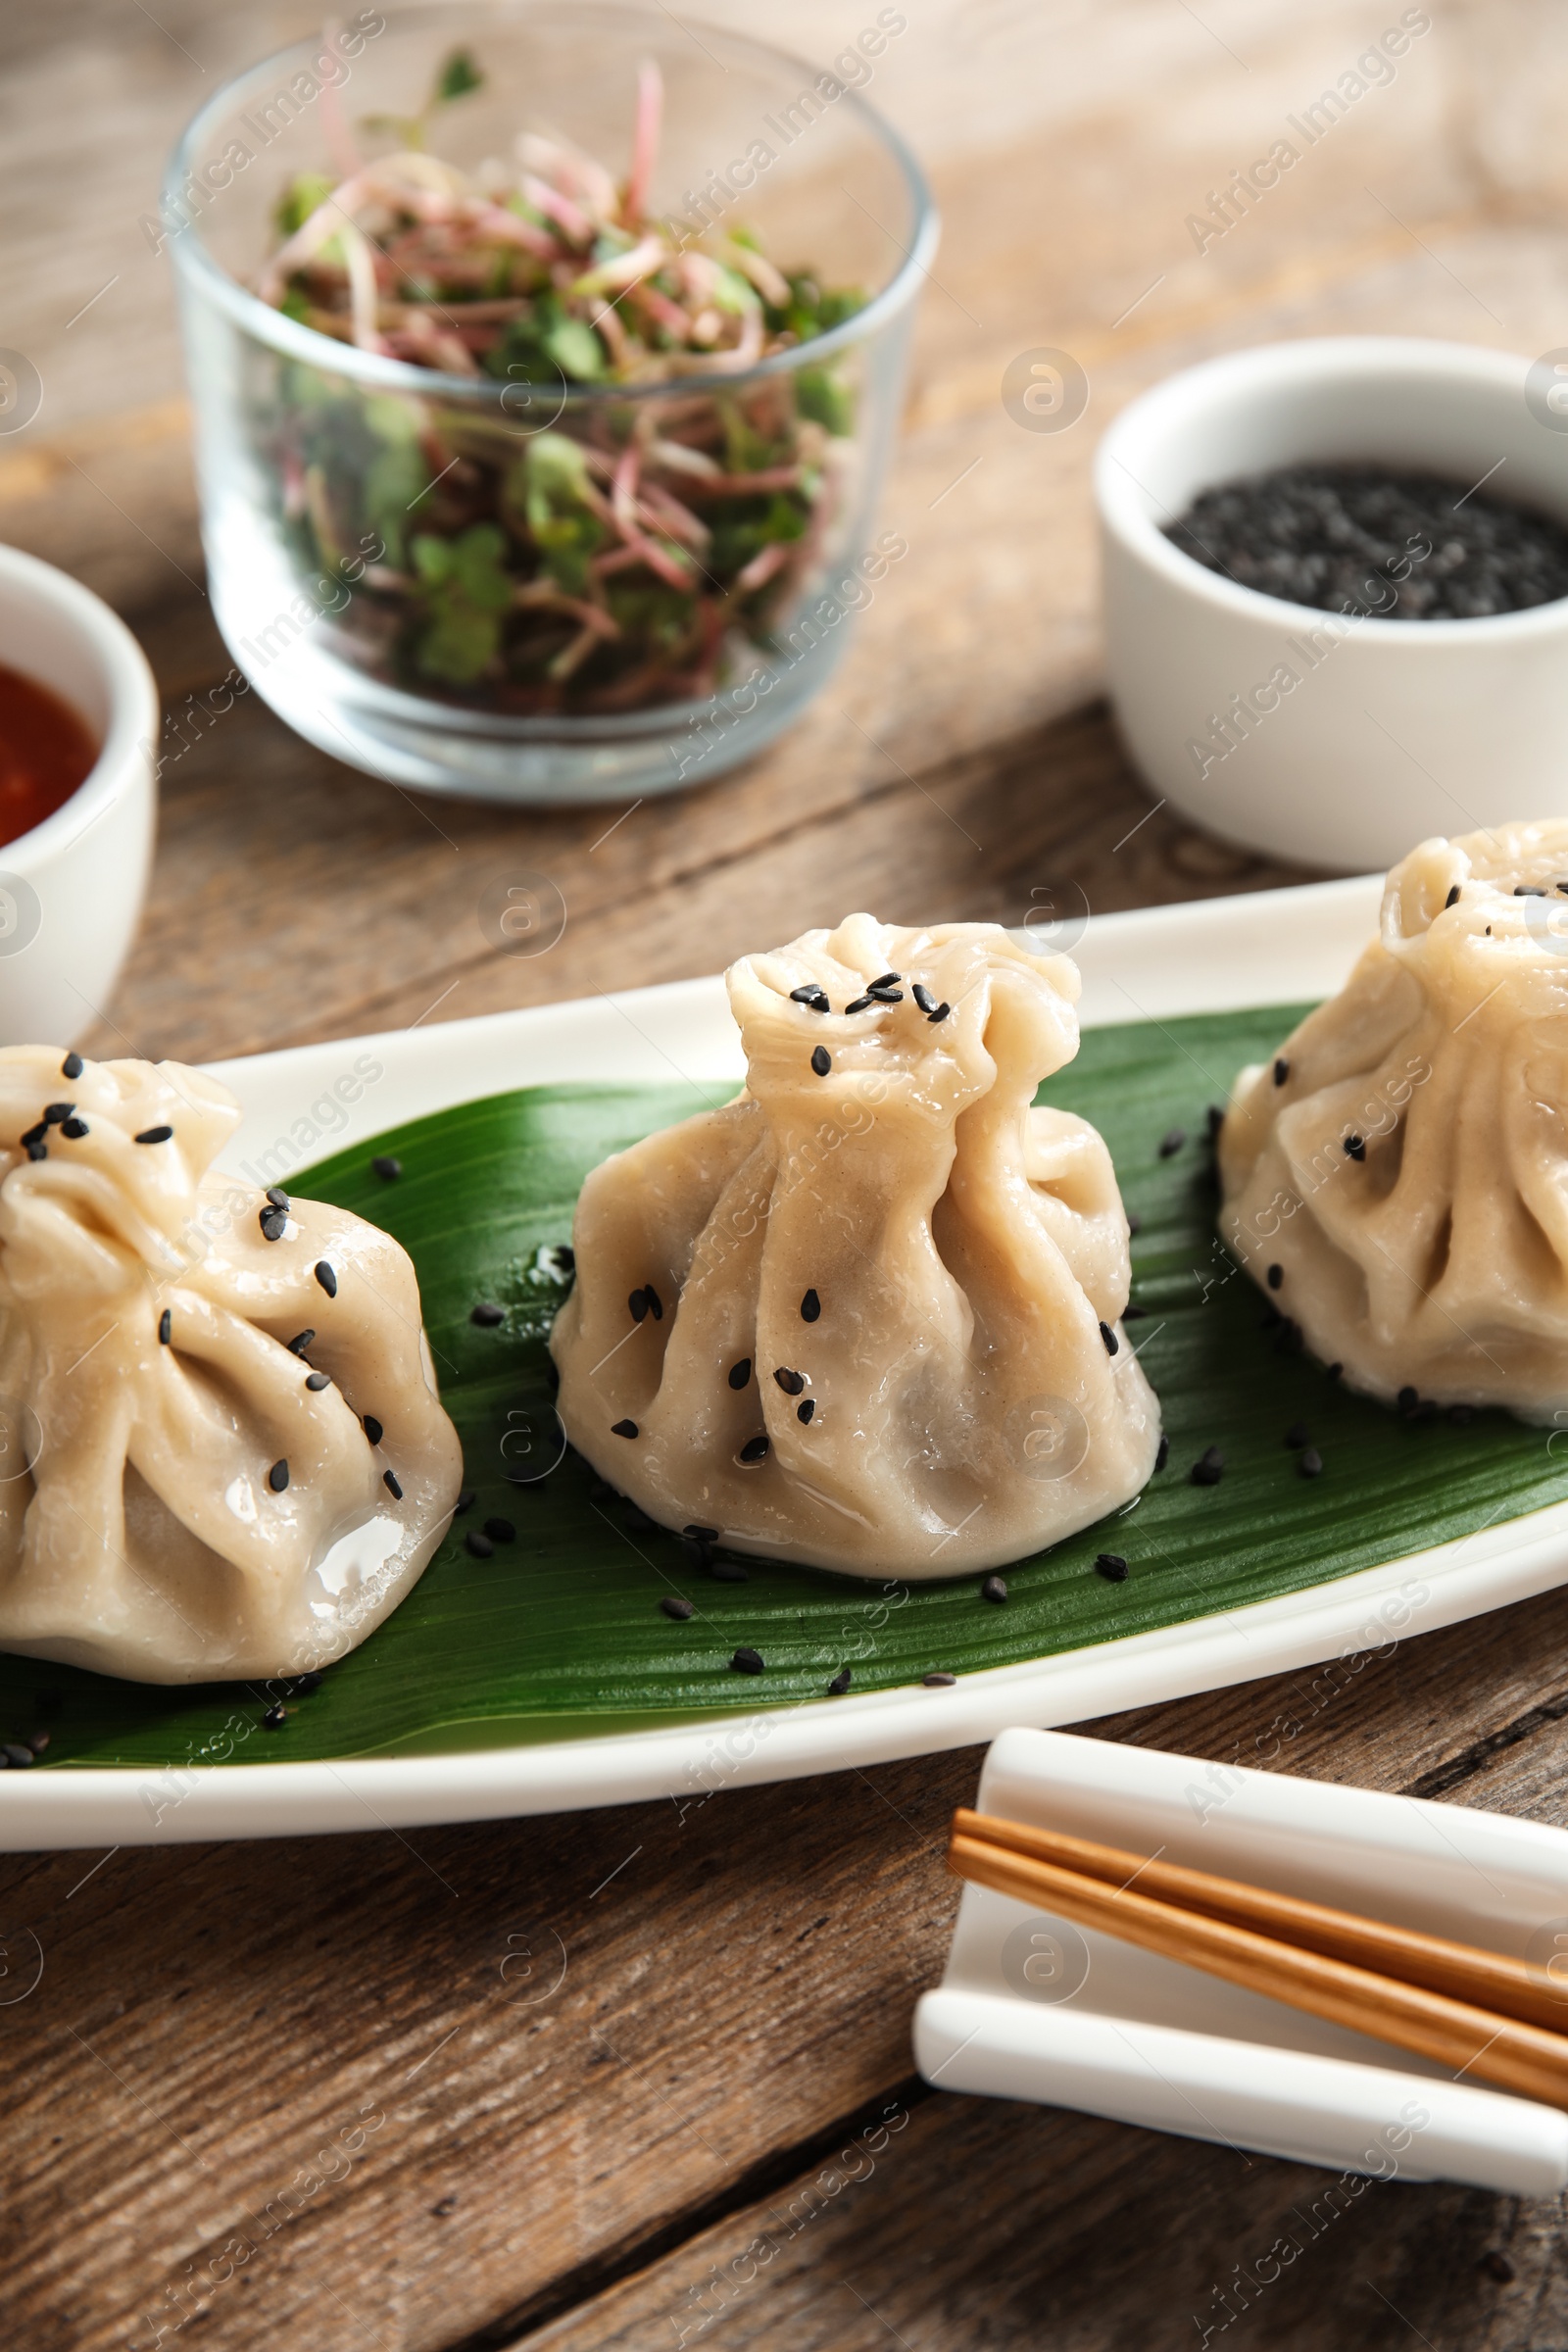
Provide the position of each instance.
(1469, 2039)
(1486, 1980)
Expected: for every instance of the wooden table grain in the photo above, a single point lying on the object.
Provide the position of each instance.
(642, 2078)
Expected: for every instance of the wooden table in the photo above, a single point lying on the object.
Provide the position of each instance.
(585, 2162)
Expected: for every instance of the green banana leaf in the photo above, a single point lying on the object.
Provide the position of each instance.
(561, 1633)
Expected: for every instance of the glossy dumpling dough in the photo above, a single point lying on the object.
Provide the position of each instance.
(874, 1341)
(146, 1527)
(1404, 1161)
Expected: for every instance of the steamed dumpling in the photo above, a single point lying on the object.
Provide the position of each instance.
(182, 1498)
(866, 1315)
(1404, 1159)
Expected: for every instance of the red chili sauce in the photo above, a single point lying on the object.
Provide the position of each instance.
(45, 753)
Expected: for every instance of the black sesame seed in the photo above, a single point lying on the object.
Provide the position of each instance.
(1171, 1141)
(804, 1412)
(37, 1150)
(821, 1061)
(810, 1307)
(165, 1326)
(697, 1550)
(792, 1382)
(1336, 1371)
(277, 1197)
(1282, 1070)
(861, 1004)
(741, 1373)
(941, 1014)
(1310, 1464)
(1355, 1147)
(386, 1167)
(55, 1112)
(1208, 1469)
(727, 1572)
(1407, 1400)
(1275, 1276)
(807, 994)
(73, 1129)
(886, 980)
(326, 1276)
(1563, 887)
(656, 1304)
(841, 1682)
(637, 1302)
(755, 1449)
(1461, 1415)
(1133, 1314)
(623, 1429)
(36, 1135)
(277, 1477)
(1298, 1436)
(748, 1661)
(1112, 1343)
(1113, 1567)
(1522, 890)
(700, 1534)
(389, 1481)
(155, 1135)
(72, 1067)
(674, 1605)
(464, 1502)
(298, 1343)
(17, 1757)
(1215, 1116)
(938, 1681)
(993, 1588)
(1453, 899)
(487, 1314)
(923, 996)
(1162, 1457)
(501, 1531)
(274, 1224)
(308, 1684)
(275, 1716)
(886, 995)
(479, 1546)
(317, 1380)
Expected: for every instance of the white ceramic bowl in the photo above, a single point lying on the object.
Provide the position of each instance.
(1350, 738)
(72, 890)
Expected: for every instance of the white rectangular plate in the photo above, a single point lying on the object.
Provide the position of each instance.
(1215, 956)
(1032, 2008)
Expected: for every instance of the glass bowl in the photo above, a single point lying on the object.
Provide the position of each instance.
(374, 528)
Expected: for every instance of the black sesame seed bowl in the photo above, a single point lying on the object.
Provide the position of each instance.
(538, 1668)
(1333, 586)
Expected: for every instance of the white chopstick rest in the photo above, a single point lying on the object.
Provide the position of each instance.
(1033, 2007)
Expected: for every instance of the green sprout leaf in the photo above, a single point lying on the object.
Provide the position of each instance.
(459, 76)
(464, 589)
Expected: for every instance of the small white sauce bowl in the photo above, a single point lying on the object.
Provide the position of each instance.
(1339, 741)
(72, 890)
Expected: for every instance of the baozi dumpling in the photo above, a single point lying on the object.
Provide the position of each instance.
(864, 1316)
(223, 1453)
(1404, 1161)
